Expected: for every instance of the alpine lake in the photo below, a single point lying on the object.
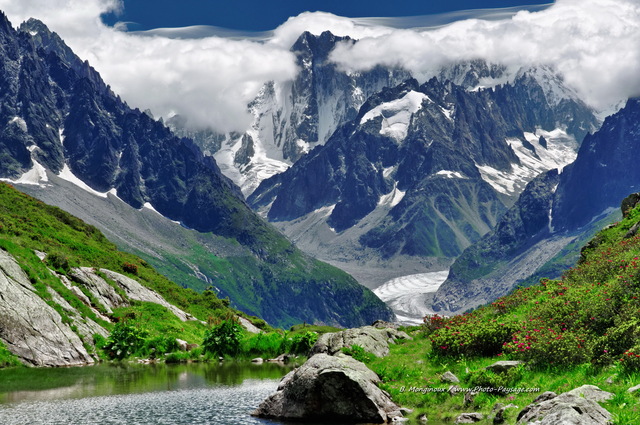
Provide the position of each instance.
(136, 394)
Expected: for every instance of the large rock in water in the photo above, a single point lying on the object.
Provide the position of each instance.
(330, 388)
(579, 406)
(29, 327)
(372, 340)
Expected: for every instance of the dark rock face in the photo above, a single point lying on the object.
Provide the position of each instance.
(55, 110)
(605, 171)
(324, 96)
(58, 106)
(629, 203)
(292, 118)
(336, 388)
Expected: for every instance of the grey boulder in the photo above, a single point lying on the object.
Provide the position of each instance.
(576, 407)
(503, 366)
(372, 340)
(330, 388)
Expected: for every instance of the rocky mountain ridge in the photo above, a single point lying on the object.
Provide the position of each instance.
(554, 217)
(60, 121)
(424, 170)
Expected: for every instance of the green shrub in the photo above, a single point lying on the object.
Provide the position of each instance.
(471, 335)
(99, 341)
(615, 342)
(158, 346)
(58, 261)
(125, 340)
(301, 343)
(358, 353)
(130, 268)
(8, 359)
(487, 378)
(264, 344)
(223, 339)
(180, 357)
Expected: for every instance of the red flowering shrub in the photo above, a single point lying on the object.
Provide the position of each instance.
(130, 268)
(471, 336)
(630, 360)
(543, 345)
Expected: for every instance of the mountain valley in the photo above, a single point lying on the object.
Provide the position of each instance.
(62, 119)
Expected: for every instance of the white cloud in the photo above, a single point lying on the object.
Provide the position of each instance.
(209, 80)
(595, 44)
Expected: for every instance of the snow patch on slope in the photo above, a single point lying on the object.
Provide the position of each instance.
(35, 176)
(561, 150)
(408, 296)
(450, 174)
(67, 174)
(392, 198)
(396, 115)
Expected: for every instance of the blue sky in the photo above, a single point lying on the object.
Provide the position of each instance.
(261, 15)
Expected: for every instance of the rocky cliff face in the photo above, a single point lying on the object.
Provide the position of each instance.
(29, 327)
(57, 117)
(423, 170)
(32, 327)
(291, 119)
(552, 218)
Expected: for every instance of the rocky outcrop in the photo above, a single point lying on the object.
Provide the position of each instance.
(86, 328)
(373, 340)
(29, 327)
(81, 296)
(629, 203)
(110, 297)
(503, 366)
(250, 327)
(578, 406)
(104, 293)
(135, 291)
(336, 388)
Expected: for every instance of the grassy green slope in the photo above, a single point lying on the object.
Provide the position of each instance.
(583, 328)
(27, 225)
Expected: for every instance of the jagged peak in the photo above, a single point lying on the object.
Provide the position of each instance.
(318, 45)
(51, 42)
(5, 24)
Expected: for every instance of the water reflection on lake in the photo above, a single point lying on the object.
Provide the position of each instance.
(137, 394)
